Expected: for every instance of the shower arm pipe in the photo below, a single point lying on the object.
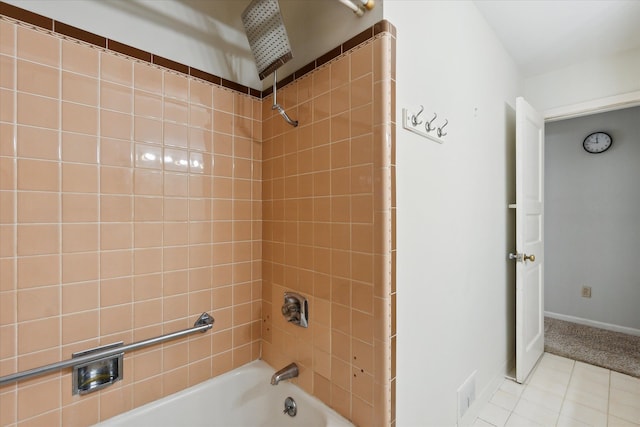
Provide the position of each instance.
(360, 7)
(278, 107)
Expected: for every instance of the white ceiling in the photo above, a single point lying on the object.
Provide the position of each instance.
(540, 35)
(544, 35)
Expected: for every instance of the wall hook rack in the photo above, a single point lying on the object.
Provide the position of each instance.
(410, 122)
(414, 118)
(428, 126)
(440, 133)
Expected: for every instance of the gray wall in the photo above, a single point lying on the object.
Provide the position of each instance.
(592, 228)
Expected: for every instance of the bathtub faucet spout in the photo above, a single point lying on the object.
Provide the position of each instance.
(289, 371)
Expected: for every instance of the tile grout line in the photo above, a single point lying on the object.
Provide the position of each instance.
(607, 414)
(566, 391)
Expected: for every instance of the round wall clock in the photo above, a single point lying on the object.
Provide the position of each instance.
(597, 142)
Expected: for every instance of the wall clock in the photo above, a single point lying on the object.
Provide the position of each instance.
(597, 142)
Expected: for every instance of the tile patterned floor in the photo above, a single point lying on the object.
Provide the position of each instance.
(562, 392)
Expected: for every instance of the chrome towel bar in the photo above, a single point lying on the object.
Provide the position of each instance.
(203, 324)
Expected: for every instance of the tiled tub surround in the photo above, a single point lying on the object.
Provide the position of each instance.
(327, 210)
(131, 201)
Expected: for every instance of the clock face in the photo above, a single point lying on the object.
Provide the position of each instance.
(597, 142)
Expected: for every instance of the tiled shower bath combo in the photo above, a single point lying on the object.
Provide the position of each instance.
(137, 193)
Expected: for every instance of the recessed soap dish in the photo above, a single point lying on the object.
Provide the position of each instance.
(97, 374)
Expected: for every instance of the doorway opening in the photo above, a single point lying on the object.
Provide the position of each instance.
(592, 206)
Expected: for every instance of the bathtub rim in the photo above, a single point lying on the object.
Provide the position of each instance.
(258, 364)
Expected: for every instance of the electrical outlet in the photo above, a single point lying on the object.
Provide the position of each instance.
(586, 291)
(466, 394)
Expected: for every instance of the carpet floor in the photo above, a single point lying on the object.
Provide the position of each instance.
(612, 350)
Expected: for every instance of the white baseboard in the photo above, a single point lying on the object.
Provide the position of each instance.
(594, 323)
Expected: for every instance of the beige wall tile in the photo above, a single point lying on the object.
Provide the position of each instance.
(79, 118)
(40, 302)
(38, 175)
(115, 208)
(80, 58)
(38, 143)
(147, 130)
(116, 97)
(79, 148)
(38, 335)
(7, 112)
(175, 85)
(115, 152)
(38, 271)
(36, 207)
(116, 236)
(79, 178)
(38, 79)
(7, 38)
(223, 99)
(115, 319)
(78, 297)
(165, 239)
(36, 110)
(80, 267)
(147, 104)
(80, 326)
(82, 413)
(116, 291)
(38, 239)
(116, 125)
(332, 225)
(116, 263)
(37, 399)
(38, 46)
(201, 93)
(147, 77)
(80, 207)
(7, 140)
(116, 69)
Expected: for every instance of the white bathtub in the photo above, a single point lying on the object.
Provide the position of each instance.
(243, 397)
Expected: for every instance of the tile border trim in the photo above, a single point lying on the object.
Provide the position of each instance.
(56, 27)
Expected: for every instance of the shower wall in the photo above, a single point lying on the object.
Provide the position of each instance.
(130, 203)
(132, 200)
(328, 211)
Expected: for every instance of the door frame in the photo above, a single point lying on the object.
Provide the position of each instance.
(594, 106)
(586, 108)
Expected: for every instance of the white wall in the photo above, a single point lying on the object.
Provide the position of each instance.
(585, 81)
(592, 209)
(208, 34)
(455, 304)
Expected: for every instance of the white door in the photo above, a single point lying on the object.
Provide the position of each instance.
(529, 255)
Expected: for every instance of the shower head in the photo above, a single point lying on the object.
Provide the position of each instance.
(267, 36)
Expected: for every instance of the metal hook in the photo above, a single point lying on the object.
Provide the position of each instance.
(428, 126)
(414, 118)
(440, 134)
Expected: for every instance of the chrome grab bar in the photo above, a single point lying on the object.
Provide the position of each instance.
(204, 323)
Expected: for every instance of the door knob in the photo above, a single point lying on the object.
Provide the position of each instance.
(522, 258)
